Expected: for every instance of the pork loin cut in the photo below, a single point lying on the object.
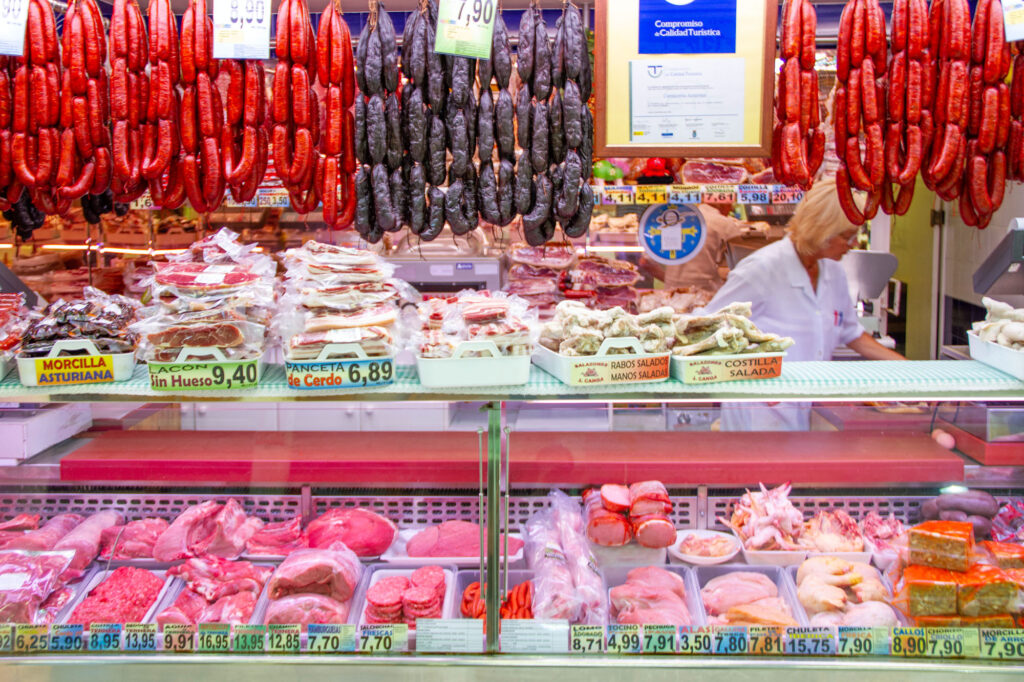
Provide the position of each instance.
(84, 539)
(366, 533)
(47, 536)
(653, 530)
(333, 572)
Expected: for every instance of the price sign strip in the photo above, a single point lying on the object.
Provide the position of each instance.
(284, 639)
(1001, 645)
(251, 639)
(811, 641)
(214, 638)
(646, 195)
(586, 639)
(140, 637)
(105, 636)
(383, 639)
(67, 638)
(624, 639)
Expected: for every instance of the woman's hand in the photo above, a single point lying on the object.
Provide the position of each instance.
(867, 347)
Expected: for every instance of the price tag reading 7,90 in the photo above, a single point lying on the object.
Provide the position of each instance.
(862, 641)
(465, 27)
(1006, 645)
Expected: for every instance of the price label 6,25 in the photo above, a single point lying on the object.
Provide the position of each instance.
(586, 639)
(31, 639)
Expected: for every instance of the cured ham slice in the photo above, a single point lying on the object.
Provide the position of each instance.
(713, 173)
(649, 497)
(615, 497)
(377, 316)
(557, 256)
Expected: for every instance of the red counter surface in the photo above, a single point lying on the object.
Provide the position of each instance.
(441, 459)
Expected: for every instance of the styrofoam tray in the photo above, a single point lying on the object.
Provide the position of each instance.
(707, 369)
(992, 354)
(631, 554)
(458, 371)
(378, 572)
(396, 555)
(101, 575)
(596, 370)
(675, 556)
(900, 616)
(773, 557)
(782, 580)
(616, 575)
(465, 578)
(123, 363)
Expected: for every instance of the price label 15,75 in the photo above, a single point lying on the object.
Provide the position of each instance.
(383, 639)
(811, 641)
(179, 638)
(586, 639)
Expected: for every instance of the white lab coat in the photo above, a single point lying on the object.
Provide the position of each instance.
(783, 302)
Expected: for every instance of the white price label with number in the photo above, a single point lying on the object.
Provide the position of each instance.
(241, 29)
(13, 15)
(1013, 19)
(465, 27)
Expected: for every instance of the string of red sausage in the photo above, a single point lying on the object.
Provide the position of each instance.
(798, 141)
(336, 158)
(162, 166)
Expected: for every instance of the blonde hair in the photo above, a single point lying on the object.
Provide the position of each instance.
(819, 217)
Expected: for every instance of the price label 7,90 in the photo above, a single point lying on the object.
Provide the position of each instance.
(1007, 645)
(465, 27)
(241, 29)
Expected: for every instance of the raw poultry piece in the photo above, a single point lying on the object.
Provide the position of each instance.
(832, 531)
(207, 528)
(454, 539)
(766, 519)
(279, 538)
(333, 572)
(21, 522)
(736, 588)
(365, 532)
(133, 540)
(650, 595)
(835, 591)
(84, 539)
(882, 532)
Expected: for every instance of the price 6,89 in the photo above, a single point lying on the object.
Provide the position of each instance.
(372, 372)
(482, 11)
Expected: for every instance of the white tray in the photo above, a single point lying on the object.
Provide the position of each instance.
(99, 576)
(616, 576)
(630, 554)
(447, 604)
(123, 363)
(1002, 358)
(900, 616)
(178, 585)
(458, 371)
(678, 557)
(596, 370)
(707, 369)
(771, 557)
(396, 556)
(783, 582)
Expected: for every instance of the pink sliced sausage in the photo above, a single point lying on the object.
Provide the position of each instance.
(608, 529)
(654, 531)
(615, 497)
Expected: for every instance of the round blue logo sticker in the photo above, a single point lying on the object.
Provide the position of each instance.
(671, 234)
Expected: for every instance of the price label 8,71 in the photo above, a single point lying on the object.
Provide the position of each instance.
(586, 639)
(624, 639)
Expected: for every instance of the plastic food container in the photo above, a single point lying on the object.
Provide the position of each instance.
(707, 369)
(340, 366)
(98, 577)
(259, 614)
(92, 368)
(178, 585)
(616, 575)
(792, 570)
(448, 604)
(1002, 358)
(697, 560)
(603, 369)
(397, 556)
(631, 554)
(782, 580)
(183, 373)
(774, 557)
(458, 371)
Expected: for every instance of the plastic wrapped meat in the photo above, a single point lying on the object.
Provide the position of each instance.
(554, 593)
(604, 526)
(214, 578)
(713, 173)
(84, 539)
(649, 497)
(305, 609)
(554, 255)
(333, 572)
(47, 536)
(26, 581)
(366, 533)
(651, 595)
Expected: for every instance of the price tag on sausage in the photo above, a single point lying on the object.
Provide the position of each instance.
(754, 194)
(140, 637)
(203, 376)
(383, 639)
(1000, 644)
(719, 194)
(683, 194)
(624, 639)
(344, 374)
(330, 638)
(862, 641)
(781, 194)
(764, 640)
(659, 639)
(143, 203)
(728, 640)
(465, 27)
(651, 194)
(586, 639)
(696, 641)
(214, 638)
(250, 639)
(812, 641)
(909, 642)
(952, 642)
(105, 637)
(31, 639)
(241, 29)
(6, 639)
(179, 638)
(284, 639)
(272, 197)
(619, 194)
(1013, 19)
(67, 638)
(13, 16)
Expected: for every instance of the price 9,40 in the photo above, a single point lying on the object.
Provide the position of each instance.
(476, 12)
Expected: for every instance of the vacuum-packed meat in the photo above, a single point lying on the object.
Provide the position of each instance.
(333, 572)
(84, 539)
(651, 596)
(305, 609)
(47, 536)
(26, 581)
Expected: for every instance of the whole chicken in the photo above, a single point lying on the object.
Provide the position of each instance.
(870, 614)
(817, 595)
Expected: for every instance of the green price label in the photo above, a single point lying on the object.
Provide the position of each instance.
(31, 639)
(624, 639)
(696, 641)
(140, 637)
(465, 27)
(586, 639)
(952, 642)
(214, 638)
(203, 376)
(862, 641)
(65, 638)
(813, 641)
(105, 637)
(764, 640)
(179, 638)
(659, 639)
(6, 638)
(330, 639)
(383, 639)
(249, 639)
(1004, 645)
(284, 639)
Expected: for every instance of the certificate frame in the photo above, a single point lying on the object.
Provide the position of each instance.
(612, 89)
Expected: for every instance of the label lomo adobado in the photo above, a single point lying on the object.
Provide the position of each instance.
(340, 366)
(188, 374)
